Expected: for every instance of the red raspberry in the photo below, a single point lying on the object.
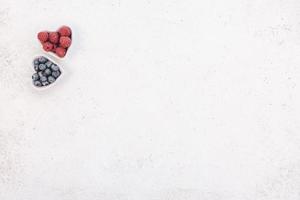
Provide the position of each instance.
(54, 48)
(53, 37)
(65, 31)
(43, 36)
(60, 52)
(65, 41)
(47, 46)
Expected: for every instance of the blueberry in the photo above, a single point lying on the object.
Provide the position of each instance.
(42, 59)
(43, 78)
(37, 83)
(40, 74)
(36, 67)
(36, 61)
(51, 79)
(45, 83)
(47, 72)
(48, 64)
(42, 67)
(36, 64)
(35, 77)
(54, 67)
(56, 74)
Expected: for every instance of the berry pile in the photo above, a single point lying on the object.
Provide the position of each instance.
(46, 72)
(57, 42)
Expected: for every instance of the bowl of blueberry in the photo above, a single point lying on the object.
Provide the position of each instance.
(47, 72)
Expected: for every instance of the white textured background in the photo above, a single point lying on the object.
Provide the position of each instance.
(161, 100)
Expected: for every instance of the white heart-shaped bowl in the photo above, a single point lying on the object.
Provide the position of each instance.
(55, 82)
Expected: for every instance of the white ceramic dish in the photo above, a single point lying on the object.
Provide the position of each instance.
(68, 49)
(55, 82)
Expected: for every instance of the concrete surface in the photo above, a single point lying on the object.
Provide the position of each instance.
(161, 100)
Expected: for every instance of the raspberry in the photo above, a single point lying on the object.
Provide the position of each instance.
(60, 52)
(47, 46)
(43, 36)
(54, 48)
(65, 31)
(65, 41)
(53, 37)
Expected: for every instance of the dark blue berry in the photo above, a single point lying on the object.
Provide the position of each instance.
(48, 64)
(36, 68)
(37, 83)
(35, 77)
(45, 83)
(47, 72)
(42, 67)
(43, 78)
(54, 67)
(36, 62)
(42, 59)
(51, 79)
(56, 74)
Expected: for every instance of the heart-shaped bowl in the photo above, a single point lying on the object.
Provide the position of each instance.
(49, 39)
(41, 88)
